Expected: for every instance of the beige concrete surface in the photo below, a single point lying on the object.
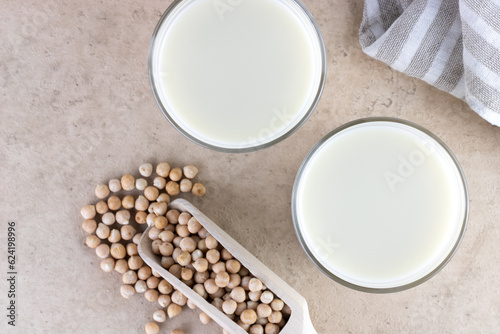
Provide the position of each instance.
(76, 109)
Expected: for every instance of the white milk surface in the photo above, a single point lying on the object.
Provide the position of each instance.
(380, 204)
(237, 74)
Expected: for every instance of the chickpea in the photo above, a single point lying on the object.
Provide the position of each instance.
(127, 232)
(160, 222)
(200, 289)
(203, 233)
(144, 272)
(164, 300)
(184, 258)
(151, 193)
(222, 279)
(118, 251)
(248, 317)
(101, 207)
(108, 218)
(275, 317)
(101, 191)
(160, 208)
(115, 185)
(154, 234)
(159, 182)
(155, 246)
(140, 286)
(262, 321)
(254, 295)
(182, 231)
(137, 238)
(102, 251)
(146, 169)
(178, 298)
(187, 274)
(92, 241)
(267, 297)
(89, 226)
(238, 294)
(240, 308)
(219, 267)
(201, 277)
(123, 217)
(175, 174)
(272, 329)
(140, 217)
(213, 256)
(167, 262)
(163, 197)
(114, 236)
(233, 266)
(264, 311)
(177, 251)
(188, 244)
(256, 329)
(107, 264)
(197, 254)
(128, 202)
(229, 306)
(127, 291)
(245, 281)
(186, 185)
(135, 262)
(130, 277)
(166, 249)
(190, 171)
(202, 245)
(252, 305)
(194, 226)
(172, 188)
(151, 295)
(165, 287)
(243, 272)
(177, 331)
(211, 242)
(141, 203)
(173, 216)
(152, 328)
(210, 286)
(121, 266)
(173, 310)
(225, 255)
(167, 236)
(88, 211)
(217, 302)
(204, 318)
(277, 304)
(114, 203)
(175, 270)
(163, 169)
(184, 218)
(255, 284)
(198, 190)
(201, 265)
(141, 184)
(234, 281)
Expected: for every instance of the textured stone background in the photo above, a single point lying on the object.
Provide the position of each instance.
(76, 109)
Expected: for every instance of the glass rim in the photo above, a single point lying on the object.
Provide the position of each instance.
(179, 128)
(318, 263)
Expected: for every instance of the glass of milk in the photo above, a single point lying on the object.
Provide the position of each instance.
(237, 75)
(380, 204)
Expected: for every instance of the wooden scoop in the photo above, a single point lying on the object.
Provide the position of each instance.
(299, 321)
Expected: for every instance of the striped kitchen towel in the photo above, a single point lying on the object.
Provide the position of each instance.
(453, 45)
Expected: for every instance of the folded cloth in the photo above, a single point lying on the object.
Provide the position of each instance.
(453, 45)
